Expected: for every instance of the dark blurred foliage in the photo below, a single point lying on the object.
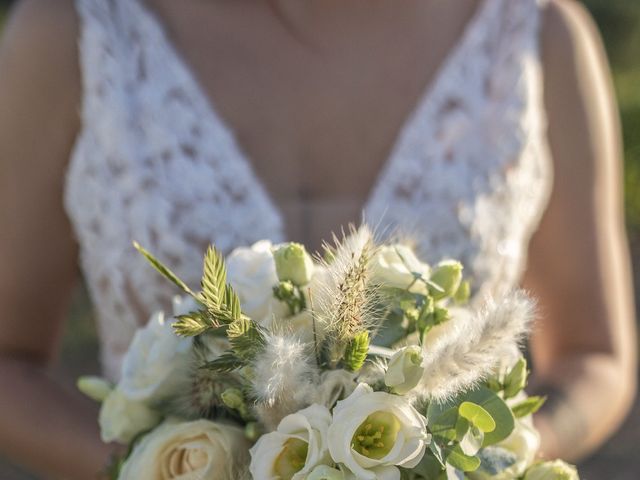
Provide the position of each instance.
(619, 22)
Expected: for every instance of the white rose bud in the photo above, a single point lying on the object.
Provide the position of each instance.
(122, 418)
(447, 275)
(96, 388)
(397, 266)
(405, 369)
(373, 433)
(293, 264)
(298, 445)
(198, 449)
(555, 470)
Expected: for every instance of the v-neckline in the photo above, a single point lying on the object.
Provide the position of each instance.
(404, 134)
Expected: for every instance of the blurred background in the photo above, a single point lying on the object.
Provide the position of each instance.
(619, 23)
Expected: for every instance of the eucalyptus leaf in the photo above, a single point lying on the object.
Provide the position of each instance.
(456, 458)
(477, 416)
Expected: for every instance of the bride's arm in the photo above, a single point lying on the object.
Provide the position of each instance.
(584, 348)
(44, 425)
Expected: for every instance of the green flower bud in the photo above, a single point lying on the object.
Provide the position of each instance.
(447, 275)
(253, 430)
(324, 472)
(405, 369)
(95, 388)
(516, 379)
(555, 470)
(293, 263)
(233, 398)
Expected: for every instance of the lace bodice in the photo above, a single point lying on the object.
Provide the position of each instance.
(468, 178)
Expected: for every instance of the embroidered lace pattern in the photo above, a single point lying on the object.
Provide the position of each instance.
(468, 178)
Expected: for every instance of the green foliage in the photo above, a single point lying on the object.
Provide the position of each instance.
(619, 22)
(516, 379)
(227, 362)
(164, 270)
(529, 406)
(291, 295)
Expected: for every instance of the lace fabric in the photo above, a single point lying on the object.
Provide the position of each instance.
(468, 178)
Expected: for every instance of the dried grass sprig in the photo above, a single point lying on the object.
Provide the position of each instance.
(475, 344)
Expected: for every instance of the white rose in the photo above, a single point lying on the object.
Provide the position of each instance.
(252, 273)
(405, 369)
(522, 445)
(373, 433)
(122, 418)
(157, 362)
(396, 265)
(297, 446)
(188, 450)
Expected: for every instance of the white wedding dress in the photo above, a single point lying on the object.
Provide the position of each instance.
(469, 176)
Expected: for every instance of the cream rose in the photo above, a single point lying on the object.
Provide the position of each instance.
(122, 418)
(157, 362)
(397, 266)
(555, 470)
(252, 273)
(373, 433)
(298, 445)
(188, 451)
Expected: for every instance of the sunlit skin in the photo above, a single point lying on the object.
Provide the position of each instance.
(329, 112)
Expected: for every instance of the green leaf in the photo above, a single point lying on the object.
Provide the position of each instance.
(227, 362)
(214, 278)
(457, 459)
(442, 421)
(497, 409)
(516, 379)
(477, 416)
(164, 270)
(356, 351)
(529, 406)
(431, 466)
(488, 400)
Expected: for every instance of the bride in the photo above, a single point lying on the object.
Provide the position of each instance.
(483, 129)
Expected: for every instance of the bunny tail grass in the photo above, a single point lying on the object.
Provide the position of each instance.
(476, 345)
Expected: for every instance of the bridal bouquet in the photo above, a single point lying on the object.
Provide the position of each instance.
(363, 364)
